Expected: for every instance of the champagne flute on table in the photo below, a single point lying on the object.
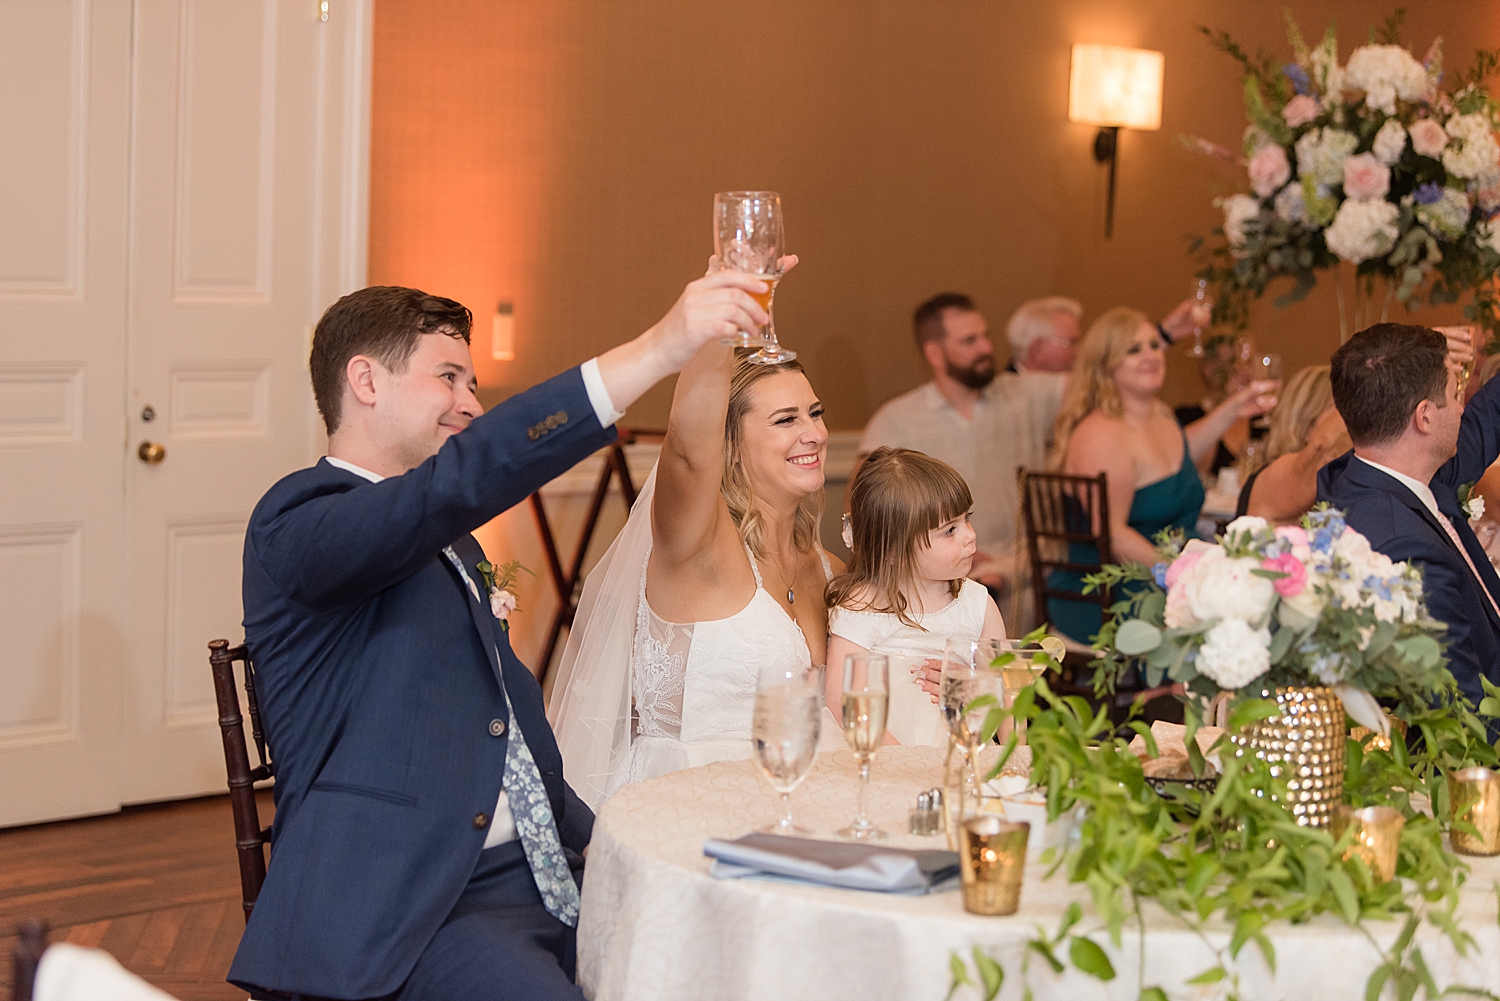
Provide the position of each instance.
(1201, 304)
(1020, 665)
(866, 697)
(749, 237)
(966, 677)
(788, 716)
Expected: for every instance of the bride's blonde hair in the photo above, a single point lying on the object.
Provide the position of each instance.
(735, 484)
(1093, 386)
(898, 496)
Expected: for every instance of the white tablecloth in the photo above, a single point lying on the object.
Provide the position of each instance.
(656, 927)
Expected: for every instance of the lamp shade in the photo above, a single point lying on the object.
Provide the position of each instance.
(1110, 85)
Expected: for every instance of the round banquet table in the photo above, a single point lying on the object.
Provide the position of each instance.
(655, 926)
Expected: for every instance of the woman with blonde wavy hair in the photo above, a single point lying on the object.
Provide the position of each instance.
(717, 573)
(1306, 432)
(1111, 421)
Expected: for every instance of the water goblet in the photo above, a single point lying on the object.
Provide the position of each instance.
(866, 696)
(749, 237)
(966, 677)
(785, 727)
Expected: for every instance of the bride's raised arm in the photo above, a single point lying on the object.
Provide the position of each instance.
(687, 505)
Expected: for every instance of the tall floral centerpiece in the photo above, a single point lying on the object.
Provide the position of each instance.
(1308, 615)
(1381, 164)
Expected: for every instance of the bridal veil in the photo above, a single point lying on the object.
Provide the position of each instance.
(590, 706)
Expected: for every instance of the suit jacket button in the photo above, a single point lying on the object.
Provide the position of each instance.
(551, 421)
(481, 821)
(497, 727)
(562, 416)
(531, 433)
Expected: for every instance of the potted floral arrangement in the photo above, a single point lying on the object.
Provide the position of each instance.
(1307, 615)
(1380, 164)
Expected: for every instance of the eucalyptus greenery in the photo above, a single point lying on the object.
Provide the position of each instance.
(1234, 857)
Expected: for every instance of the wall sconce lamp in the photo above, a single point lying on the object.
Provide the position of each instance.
(503, 333)
(1114, 88)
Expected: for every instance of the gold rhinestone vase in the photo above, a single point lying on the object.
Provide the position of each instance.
(1304, 744)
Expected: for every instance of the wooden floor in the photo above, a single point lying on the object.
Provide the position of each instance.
(155, 886)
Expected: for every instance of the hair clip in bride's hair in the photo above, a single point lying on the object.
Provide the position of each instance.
(848, 533)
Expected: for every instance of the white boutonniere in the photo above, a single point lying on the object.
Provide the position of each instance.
(1473, 504)
(497, 583)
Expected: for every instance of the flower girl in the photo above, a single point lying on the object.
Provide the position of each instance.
(905, 592)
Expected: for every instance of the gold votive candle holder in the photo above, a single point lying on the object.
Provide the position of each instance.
(1377, 836)
(992, 860)
(1480, 789)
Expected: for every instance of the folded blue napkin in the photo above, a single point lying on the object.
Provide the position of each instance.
(844, 864)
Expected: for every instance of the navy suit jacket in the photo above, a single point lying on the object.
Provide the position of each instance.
(1400, 526)
(378, 680)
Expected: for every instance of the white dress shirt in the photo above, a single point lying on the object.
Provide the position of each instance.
(503, 823)
(1422, 491)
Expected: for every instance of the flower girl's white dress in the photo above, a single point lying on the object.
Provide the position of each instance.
(913, 718)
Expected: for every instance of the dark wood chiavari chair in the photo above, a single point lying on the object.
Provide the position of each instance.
(250, 839)
(31, 942)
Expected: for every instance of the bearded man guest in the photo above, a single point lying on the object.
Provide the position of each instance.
(984, 424)
(1415, 445)
(425, 844)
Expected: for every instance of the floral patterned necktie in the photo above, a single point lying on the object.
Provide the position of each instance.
(529, 805)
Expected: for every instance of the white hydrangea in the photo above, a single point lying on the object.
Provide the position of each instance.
(1238, 210)
(1219, 587)
(1362, 230)
(1233, 654)
(1384, 73)
(1291, 204)
(1475, 153)
(1390, 142)
(1246, 523)
(1321, 154)
(1448, 216)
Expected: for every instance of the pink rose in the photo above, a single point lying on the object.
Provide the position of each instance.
(1428, 138)
(502, 603)
(1269, 170)
(1366, 177)
(1300, 110)
(1296, 574)
(1182, 565)
(1295, 536)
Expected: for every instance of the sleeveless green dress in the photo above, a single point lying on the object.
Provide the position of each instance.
(1172, 502)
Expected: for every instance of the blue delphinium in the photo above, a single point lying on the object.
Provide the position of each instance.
(1299, 78)
(1428, 194)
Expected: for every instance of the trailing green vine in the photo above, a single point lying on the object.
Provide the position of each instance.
(1235, 857)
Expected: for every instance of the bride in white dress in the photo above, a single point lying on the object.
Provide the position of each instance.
(717, 572)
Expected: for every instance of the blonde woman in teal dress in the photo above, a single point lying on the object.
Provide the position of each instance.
(1111, 421)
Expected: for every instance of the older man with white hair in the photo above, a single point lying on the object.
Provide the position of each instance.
(1044, 335)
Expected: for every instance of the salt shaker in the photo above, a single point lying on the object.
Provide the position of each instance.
(927, 818)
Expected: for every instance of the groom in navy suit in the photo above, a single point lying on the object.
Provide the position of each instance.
(425, 847)
(1415, 445)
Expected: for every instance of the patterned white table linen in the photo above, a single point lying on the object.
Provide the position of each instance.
(656, 927)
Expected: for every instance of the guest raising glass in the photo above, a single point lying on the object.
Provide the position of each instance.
(1306, 432)
(1113, 422)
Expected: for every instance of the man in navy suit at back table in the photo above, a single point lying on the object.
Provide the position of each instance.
(425, 847)
(1415, 445)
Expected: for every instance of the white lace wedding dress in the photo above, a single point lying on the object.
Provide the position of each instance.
(694, 683)
(636, 696)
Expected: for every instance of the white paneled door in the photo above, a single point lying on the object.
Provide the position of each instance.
(147, 416)
(65, 74)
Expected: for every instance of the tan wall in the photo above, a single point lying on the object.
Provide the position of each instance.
(564, 155)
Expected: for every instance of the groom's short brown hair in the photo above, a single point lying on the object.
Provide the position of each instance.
(384, 322)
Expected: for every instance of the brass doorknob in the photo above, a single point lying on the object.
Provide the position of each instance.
(151, 452)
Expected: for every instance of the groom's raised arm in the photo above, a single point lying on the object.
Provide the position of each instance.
(328, 548)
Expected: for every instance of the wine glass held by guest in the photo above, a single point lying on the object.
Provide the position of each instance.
(717, 572)
(906, 589)
(1306, 432)
(1113, 422)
